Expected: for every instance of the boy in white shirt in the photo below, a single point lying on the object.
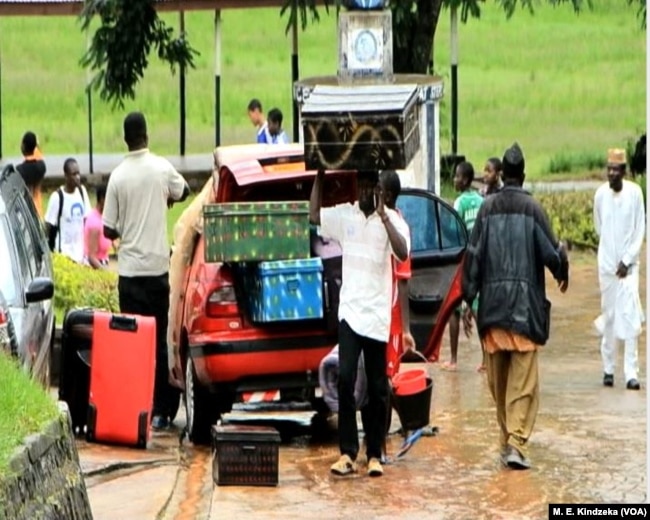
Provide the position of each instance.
(66, 211)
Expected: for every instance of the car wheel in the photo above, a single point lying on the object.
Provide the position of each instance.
(200, 407)
(175, 404)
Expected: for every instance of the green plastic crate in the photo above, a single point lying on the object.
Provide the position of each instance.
(247, 231)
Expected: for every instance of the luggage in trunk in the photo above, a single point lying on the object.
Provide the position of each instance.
(285, 290)
(255, 231)
(330, 253)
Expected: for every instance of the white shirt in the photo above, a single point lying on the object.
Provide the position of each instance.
(136, 207)
(76, 207)
(619, 219)
(366, 290)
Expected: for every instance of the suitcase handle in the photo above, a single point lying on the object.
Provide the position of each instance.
(293, 284)
(127, 323)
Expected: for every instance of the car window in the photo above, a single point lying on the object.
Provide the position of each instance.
(8, 284)
(24, 243)
(34, 240)
(434, 225)
(453, 232)
(421, 215)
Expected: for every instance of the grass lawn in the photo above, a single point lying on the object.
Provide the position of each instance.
(566, 87)
(25, 408)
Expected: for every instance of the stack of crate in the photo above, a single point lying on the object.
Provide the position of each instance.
(268, 242)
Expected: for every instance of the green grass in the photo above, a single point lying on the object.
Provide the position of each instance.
(560, 84)
(25, 408)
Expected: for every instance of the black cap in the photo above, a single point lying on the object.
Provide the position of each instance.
(513, 161)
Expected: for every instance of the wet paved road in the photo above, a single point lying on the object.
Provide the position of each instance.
(588, 446)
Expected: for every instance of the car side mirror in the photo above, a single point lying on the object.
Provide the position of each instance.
(40, 289)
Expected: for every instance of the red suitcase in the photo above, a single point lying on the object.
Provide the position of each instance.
(122, 373)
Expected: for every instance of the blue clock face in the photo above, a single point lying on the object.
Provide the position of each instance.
(365, 46)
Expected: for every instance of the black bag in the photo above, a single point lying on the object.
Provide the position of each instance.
(74, 377)
(331, 255)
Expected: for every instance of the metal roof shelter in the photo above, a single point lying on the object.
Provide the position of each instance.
(74, 7)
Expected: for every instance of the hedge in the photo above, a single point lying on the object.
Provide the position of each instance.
(82, 286)
(571, 215)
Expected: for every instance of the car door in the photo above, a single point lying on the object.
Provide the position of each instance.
(40, 263)
(33, 313)
(438, 242)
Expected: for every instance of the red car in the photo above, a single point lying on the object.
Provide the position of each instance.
(221, 354)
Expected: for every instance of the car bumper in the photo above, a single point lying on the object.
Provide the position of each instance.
(231, 361)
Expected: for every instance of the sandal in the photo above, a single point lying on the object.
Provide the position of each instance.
(449, 366)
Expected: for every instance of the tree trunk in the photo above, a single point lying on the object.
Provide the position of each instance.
(413, 34)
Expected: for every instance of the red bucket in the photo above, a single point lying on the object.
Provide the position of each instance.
(410, 382)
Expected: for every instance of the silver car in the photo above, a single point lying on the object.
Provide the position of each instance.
(26, 280)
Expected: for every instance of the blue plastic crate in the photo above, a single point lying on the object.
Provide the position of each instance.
(286, 290)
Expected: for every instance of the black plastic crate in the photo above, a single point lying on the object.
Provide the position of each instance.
(245, 455)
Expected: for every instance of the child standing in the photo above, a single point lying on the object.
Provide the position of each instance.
(467, 205)
(492, 176)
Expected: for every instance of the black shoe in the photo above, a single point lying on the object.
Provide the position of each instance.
(608, 380)
(159, 422)
(515, 460)
(633, 384)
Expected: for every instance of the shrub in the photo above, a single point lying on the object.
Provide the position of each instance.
(566, 163)
(571, 215)
(78, 285)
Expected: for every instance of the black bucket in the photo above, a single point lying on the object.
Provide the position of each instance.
(413, 410)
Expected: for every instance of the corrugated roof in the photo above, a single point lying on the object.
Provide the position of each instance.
(70, 7)
(360, 98)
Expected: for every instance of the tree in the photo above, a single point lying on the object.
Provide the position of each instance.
(120, 48)
(415, 22)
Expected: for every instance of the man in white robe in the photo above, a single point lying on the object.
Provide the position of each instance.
(619, 219)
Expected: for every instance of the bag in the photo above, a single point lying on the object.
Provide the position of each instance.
(53, 231)
(330, 253)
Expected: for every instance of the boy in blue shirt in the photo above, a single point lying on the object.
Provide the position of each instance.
(273, 133)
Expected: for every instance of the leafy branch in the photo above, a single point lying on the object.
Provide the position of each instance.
(120, 48)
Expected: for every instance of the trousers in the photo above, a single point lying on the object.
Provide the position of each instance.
(149, 296)
(514, 383)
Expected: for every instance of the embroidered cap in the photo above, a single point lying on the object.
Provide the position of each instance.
(616, 156)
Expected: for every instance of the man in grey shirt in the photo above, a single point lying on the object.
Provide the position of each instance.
(139, 191)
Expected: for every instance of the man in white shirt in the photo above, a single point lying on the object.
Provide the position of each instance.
(370, 234)
(67, 209)
(619, 219)
(138, 194)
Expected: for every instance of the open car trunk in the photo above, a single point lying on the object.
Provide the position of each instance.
(338, 188)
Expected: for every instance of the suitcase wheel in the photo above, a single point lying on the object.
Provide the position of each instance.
(90, 424)
(143, 423)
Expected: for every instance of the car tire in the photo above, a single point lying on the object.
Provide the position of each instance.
(200, 407)
(175, 404)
